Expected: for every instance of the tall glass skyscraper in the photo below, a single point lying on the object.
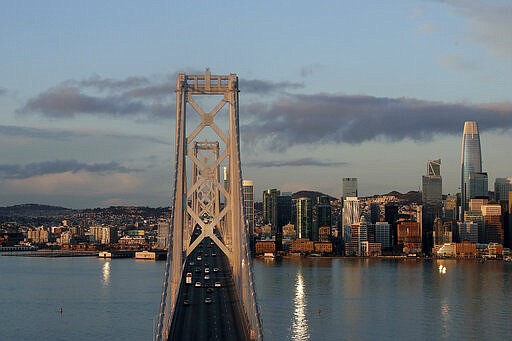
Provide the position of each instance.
(471, 160)
(248, 193)
(302, 217)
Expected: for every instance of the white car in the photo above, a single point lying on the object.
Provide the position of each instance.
(198, 284)
(217, 284)
(206, 276)
(206, 270)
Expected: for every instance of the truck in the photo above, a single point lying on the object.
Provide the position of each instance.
(188, 278)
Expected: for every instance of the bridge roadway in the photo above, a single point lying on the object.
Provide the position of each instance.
(222, 318)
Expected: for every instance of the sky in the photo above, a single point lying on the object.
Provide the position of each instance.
(328, 89)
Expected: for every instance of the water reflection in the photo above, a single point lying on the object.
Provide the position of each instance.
(106, 274)
(300, 328)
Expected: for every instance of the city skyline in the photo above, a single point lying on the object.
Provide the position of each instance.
(352, 89)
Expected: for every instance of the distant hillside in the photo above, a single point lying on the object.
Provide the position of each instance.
(411, 196)
(34, 210)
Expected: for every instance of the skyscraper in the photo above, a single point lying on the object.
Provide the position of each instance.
(471, 160)
(270, 208)
(302, 217)
(350, 215)
(248, 193)
(349, 188)
(432, 196)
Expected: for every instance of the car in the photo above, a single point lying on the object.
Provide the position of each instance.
(206, 254)
(206, 270)
(215, 269)
(197, 270)
(209, 290)
(218, 284)
(197, 285)
(206, 276)
(214, 254)
(206, 265)
(208, 300)
(206, 285)
(192, 263)
(186, 302)
(199, 258)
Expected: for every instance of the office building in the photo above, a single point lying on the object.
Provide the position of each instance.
(409, 235)
(432, 196)
(350, 215)
(502, 188)
(248, 196)
(468, 231)
(302, 217)
(450, 208)
(471, 160)
(478, 185)
(494, 231)
(270, 208)
(391, 216)
(322, 215)
(284, 209)
(349, 187)
(163, 234)
(478, 218)
(382, 234)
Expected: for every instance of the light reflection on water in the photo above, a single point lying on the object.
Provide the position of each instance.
(106, 274)
(300, 329)
(374, 299)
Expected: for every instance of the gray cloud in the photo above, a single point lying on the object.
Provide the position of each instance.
(17, 171)
(326, 118)
(101, 84)
(258, 86)
(456, 63)
(308, 70)
(2, 91)
(295, 163)
(62, 102)
(136, 97)
(66, 135)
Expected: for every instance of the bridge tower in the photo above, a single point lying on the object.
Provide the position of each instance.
(204, 205)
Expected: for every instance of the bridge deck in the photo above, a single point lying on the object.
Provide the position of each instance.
(222, 319)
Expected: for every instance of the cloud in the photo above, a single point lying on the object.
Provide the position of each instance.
(62, 102)
(17, 171)
(75, 184)
(101, 84)
(327, 118)
(308, 70)
(66, 135)
(258, 86)
(134, 97)
(2, 91)
(295, 163)
(456, 63)
(426, 28)
(490, 23)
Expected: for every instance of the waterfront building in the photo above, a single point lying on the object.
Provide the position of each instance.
(358, 234)
(493, 223)
(432, 197)
(471, 160)
(382, 234)
(38, 235)
(502, 188)
(350, 215)
(163, 234)
(302, 217)
(104, 235)
(349, 187)
(322, 215)
(248, 196)
(324, 233)
(409, 235)
(270, 208)
(265, 246)
(369, 249)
